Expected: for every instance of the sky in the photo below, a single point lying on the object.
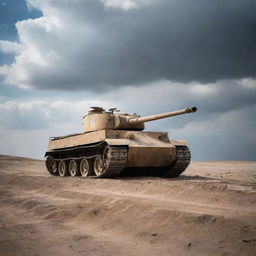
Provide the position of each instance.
(58, 58)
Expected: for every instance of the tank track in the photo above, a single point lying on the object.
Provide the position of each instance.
(182, 162)
(116, 162)
(117, 157)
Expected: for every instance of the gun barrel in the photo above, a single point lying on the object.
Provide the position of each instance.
(163, 115)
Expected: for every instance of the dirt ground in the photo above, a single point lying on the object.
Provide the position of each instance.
(209, 210)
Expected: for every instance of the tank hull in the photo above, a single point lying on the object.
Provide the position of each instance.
(129, 149)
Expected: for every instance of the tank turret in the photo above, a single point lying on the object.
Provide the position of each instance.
(99, 119)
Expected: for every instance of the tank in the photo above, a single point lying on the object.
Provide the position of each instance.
(113, 144)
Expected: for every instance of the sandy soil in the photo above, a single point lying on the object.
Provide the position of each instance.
(210, 210)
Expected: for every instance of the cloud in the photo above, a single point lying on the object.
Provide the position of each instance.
(215, 98)
(44, 114)
(25, 126)
(122, 4)
(10, 47)
(212, 100)
(119, 43)
(228, 136)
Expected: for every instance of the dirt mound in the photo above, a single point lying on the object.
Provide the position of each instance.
(210, 210)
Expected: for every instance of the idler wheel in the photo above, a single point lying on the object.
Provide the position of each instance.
(62, 169)
(72, 167)
(85, 167)
(51, 165)
(98, 166)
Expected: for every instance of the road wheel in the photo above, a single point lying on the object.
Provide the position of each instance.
(85, 167)
(72, 167)
(106, 158)
(98, 166)
(51, 165)
(62, 169)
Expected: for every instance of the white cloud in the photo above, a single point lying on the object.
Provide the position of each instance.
(126, 4)
(122, 4)
(249, 83)
(227, 136)
(25, 126)
(41, 113)
(4, 70)
(11, 47)
(203, 88)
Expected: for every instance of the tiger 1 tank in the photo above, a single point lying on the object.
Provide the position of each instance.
(113, 143)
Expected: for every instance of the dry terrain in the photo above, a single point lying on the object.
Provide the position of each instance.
(209, 210)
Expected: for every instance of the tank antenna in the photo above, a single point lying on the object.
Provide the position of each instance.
(115, 102)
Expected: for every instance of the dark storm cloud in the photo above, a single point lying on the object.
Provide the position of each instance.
(177, 40)
(180, 40)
